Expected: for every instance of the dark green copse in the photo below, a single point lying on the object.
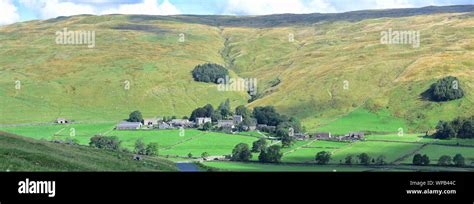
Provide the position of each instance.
(241, 152)
(135, 116)
(323, 157)
(459, 127)
(271, 154)
(459, 160)
(446, 89)
(104, 142)
(209, 73)
(259, 145)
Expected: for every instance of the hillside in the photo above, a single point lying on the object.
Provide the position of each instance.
(303, 78)
(18, 153)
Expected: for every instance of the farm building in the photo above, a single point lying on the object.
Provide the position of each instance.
(124, 125)
(301, 136)
(356, 135)
(238, 119)
(322, 136)
(150, 121)
(202, 121)
(61, 121)
(266, 128)
(249, 128)
(225, 123)
(182, 123)
(164, 126)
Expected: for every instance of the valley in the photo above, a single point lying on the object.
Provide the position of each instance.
(331, 72)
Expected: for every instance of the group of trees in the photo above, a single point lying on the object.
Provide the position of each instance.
(151, 149)
(420, 160)
(458, 128)
(445, 160)
(269, 116)
(113, 143)
(272, 154)
(260, 115)
(363, 158)
(458, 160)
(104, 142)
(209, 73)
(208, 111)
(445, 89)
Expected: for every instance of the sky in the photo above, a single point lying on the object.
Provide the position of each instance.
(12, 11)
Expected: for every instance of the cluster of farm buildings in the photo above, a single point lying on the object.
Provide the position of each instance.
(159, 123)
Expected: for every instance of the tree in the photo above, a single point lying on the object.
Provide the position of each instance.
(152, 149)
(418, 160)
(467, 129)
(457, 128)
(243, 111)
(135, 116)
(444, 130)
(198, 113)
(425, 160)
(445, 89)
(190, 155)
(459, 160)
(209, 73)
(267, 115)
(140, 147)
(224, 109)
(380, 160)
(323, 157)
(259, 145)
(204, 155)
(103, 142)
(444, 160)
(241, 152)
(271, 154)
(348, 160)
(364, 158)
(286, 139)
(207, 126)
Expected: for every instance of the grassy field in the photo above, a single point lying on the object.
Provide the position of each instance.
(339, 150)
(255, 167)
(170, 142)
(362, 120)
(436, 151)
(216, 144)
(23, 154)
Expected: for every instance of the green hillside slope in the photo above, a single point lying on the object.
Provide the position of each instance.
(302, 78)
(18, 153)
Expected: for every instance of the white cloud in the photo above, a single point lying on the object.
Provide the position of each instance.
(9, 13)
(384, 4)
(149, 7)
(53, 8)
(264, 7)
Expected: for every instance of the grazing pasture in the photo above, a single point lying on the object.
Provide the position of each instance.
(434, 152)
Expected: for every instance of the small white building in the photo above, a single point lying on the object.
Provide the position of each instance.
(202, 121)
(225, 123)
(164, 126)
(150, 121)
(124, 125)
(182, 123)
(61, 121)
